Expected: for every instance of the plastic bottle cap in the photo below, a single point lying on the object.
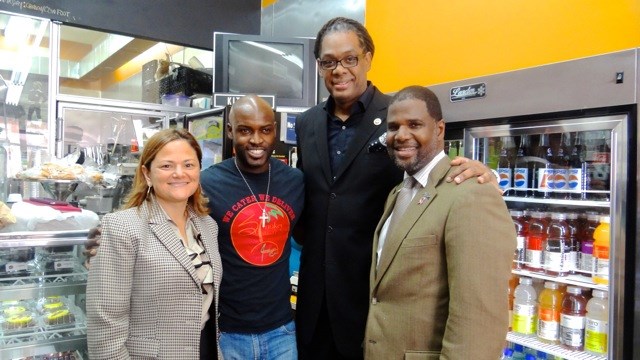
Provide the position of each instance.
(537, 214)
(508, 352)
(526, 281)
(558, 216)
(574, 290)
(572, 216)
(600, 294)
(550, 285)
(516, 213)
(593, 217)
(605, 219)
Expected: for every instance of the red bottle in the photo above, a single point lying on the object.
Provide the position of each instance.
(574, 241)
(573, 319)
(533, 241)
(556, 247)
(519, 255)
(586, 245)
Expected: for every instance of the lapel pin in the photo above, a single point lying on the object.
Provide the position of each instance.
(424, 198)
(377, 121)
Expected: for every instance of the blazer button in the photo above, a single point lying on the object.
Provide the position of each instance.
(374, 301)
(332, 196)
(329, 229)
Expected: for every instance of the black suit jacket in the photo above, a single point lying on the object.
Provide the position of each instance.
(339, 218)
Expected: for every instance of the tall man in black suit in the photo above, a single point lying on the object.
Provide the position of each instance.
(348, 175)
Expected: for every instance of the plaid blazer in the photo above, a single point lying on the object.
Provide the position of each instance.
(144, 299)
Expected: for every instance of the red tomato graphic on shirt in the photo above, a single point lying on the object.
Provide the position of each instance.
(256, 244)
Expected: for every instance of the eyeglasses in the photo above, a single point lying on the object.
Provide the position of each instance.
(348, 62)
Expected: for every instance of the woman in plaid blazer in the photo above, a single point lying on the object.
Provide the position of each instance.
(158, 269)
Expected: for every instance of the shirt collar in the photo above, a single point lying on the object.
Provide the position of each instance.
(361, 105)
(423, 174)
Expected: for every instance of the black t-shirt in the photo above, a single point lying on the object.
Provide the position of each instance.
(255, 289)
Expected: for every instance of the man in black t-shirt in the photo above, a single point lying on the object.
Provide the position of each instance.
(256, 202)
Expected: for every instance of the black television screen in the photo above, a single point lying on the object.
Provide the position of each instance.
(283, 67)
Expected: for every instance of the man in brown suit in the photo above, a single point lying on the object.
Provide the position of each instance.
(440, 269)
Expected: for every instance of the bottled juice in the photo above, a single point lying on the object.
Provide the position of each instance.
(556, 247)
(572, 319)
(525, 308)
(601, 242)
(533, 241)
(513, 282)
(597, 324)
(586, 245)
(549, 307)
(519, 254)
(574, 241)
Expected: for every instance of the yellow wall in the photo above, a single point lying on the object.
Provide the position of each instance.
(428, 42)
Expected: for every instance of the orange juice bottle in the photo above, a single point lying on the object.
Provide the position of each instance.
(549, 309)
(601, 243)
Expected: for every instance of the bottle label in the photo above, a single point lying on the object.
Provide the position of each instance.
(555, 258)
(572, 321)
(572, 330)
(524, 319)
(545, 180)
(574, 183)
(548, 324)
(533, 258)
(519, 242)
(504, 178)
(602, 268)
(572, 260)
(560, 179)
(596, 336)
(520, 178)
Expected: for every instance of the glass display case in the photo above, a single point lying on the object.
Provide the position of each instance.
(42, 301)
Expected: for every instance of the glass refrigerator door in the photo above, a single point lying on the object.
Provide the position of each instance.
(573, 170)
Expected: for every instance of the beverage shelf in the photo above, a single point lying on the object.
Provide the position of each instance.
(556, 350)
(581, 203)
(577, 279)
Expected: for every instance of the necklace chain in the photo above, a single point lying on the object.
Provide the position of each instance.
(264, 216)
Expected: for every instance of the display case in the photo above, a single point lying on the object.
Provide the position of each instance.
(42, 295)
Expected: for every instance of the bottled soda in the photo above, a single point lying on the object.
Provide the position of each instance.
(601, 243)
(598, 158)
(586, 244)
(573, 319)
(525, 308)
(574, 241)
(543, 168)
(549, 307)
(597, 324)
(521, 173)
(561, 167)
(506, 165)
(556, 246)
(533, 241)
(577, 167)
(519, 256)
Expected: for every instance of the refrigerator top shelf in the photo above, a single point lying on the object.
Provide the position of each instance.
(578, 280)
(580, 203)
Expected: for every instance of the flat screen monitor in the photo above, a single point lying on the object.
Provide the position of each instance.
(280, 66)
